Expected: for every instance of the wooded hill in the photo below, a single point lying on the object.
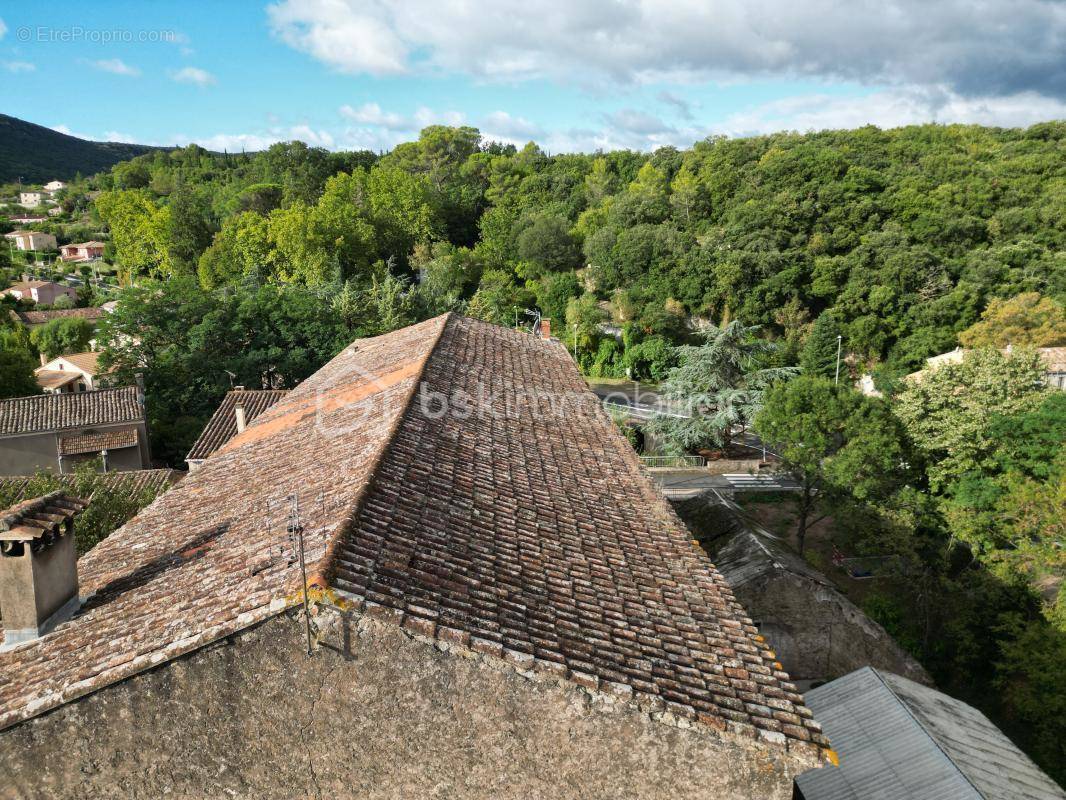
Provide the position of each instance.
(38, 154)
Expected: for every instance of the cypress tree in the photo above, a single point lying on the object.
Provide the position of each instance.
(819, 356)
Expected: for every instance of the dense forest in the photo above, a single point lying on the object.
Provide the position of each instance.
(36, 154)
(903, 236)
(738, 257)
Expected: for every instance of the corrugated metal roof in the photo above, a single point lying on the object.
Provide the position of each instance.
(899, 740)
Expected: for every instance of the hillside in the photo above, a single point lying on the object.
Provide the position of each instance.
(38, 154)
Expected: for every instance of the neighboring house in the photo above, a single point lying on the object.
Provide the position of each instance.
(55, 431)
(31, 199)
(32, 240)
(27, 220)
(75, 372)
(44, 293)
(236, 411)
(55, 211)
(34, 319)
(898, 739)
(54, 186)
(817, 632)
(1053, 357)
(83, 251)
(498, 605)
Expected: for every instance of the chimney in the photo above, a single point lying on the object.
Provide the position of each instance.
(38, 566)
(545, 328)
(242, 420)
(44, 358)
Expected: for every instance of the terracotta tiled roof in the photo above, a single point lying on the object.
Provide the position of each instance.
(95, 442)
(54, 378)
(133, 482)
(50, 412)
(223, 423)
(41, 317)
(39, 516)
(518, 522)
(86, 362)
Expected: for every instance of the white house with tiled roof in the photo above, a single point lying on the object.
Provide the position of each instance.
(74, 372)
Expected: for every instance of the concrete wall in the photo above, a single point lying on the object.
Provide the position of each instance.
(25, 455)
(387, 715)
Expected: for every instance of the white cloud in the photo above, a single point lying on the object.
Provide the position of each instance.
(996, 49)
(3, 29)
(378, 129)
(261, 140)
(892, 108)
(341, 34)
(638, 122)
(118, 136)
(116, 66)
(19, 66)
(310, 136)
(371, 114)
(500, 126)
(193, 75)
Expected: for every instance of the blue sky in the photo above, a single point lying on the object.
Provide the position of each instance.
(582, 75)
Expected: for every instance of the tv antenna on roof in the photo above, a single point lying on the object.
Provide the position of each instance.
(232, 376)
(296, 536)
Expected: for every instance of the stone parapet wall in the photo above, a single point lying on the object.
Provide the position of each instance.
(376, 712)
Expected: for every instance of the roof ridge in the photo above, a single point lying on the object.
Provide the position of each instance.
(321, 573)
(49, 395)
(907, 710)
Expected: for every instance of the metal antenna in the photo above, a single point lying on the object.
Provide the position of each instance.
(296, 531)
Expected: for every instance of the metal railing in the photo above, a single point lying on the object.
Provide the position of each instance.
(642, 412)
(673, 461)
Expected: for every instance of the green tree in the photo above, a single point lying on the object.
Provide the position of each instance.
(1026, 320)
(16, 367)
(584, 316)
(546, 245)
(496, 298)
(948, 410)
(139, 231)
(834, 441)
(61, 336)
(819, 354)
(719, 385)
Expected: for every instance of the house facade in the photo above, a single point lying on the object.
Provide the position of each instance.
(44, 293)
(74, 372)
(31, 199)
(32, 240)
(55, 432)
(82, 251)
(435, 568)
(54, 186)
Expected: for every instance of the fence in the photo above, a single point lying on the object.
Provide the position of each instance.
(673, 461)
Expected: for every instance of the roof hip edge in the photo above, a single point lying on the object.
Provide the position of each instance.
(321, 573)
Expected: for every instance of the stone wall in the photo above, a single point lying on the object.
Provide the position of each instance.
(377, 712)
(819, 634)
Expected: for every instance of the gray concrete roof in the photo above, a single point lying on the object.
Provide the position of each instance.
(899, 740)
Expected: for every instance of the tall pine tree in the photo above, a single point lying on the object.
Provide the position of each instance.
(819, 356)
